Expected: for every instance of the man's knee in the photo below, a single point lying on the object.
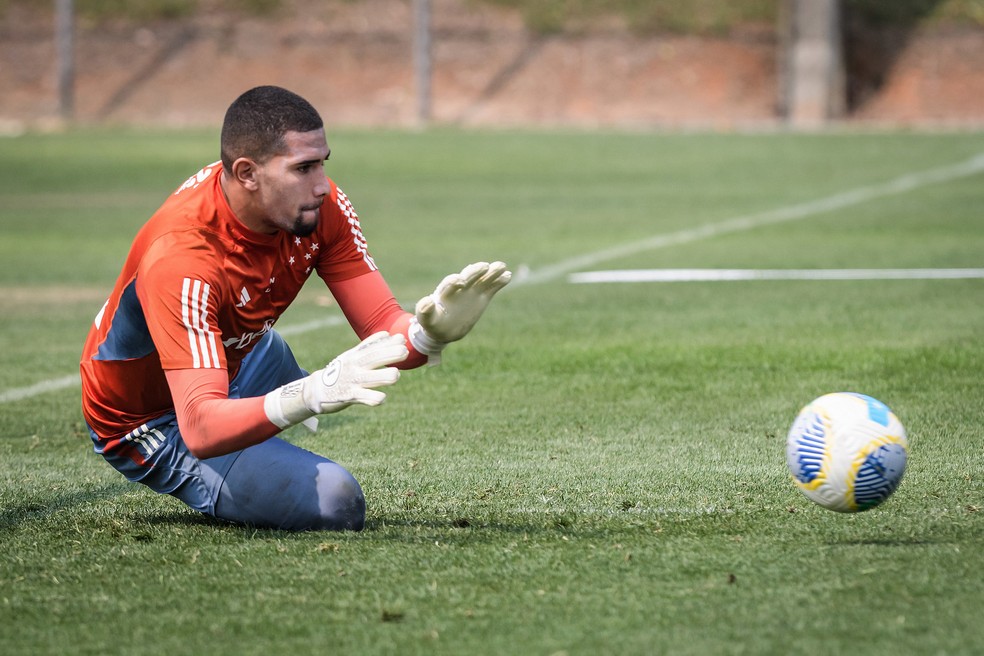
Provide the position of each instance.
(278, 485)
(341, 503)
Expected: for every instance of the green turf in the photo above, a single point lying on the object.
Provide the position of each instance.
(598, 469)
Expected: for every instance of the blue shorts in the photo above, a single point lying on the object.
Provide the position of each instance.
(273, 484)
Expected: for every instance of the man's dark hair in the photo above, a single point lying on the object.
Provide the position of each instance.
(257, 121)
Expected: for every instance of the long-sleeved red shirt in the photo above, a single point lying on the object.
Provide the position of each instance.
(197, 291)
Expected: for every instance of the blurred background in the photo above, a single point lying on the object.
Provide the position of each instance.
(673, 64)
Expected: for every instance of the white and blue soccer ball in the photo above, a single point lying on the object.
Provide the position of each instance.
(847, 452)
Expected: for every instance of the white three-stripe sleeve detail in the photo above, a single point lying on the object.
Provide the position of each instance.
(205, 336)
(186, 317)
(211, 335)
(194, 311)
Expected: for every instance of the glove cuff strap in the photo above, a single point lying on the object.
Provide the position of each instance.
(424, 343)
(285, 405)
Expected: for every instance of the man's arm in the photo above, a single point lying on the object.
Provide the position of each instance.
(212, 424)
(444, 316)
(369, 305)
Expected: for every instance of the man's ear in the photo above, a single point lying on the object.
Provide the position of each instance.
(244, 171)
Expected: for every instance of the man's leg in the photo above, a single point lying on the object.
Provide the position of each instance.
(278, 485)
(275, 483)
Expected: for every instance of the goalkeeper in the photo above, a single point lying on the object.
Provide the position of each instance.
(185, 383)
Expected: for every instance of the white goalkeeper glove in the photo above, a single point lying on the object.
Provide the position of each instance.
(349, 378)
(455, 306)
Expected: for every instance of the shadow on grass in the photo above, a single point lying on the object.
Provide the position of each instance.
(140, 525)
(380, 528)
(477, 527)
(480, 529)
(182, 516)
(16, 515)
(12, 516)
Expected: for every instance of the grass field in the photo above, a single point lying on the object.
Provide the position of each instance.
(597, 469)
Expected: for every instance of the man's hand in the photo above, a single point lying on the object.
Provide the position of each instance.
(350, 378)
(450, 312)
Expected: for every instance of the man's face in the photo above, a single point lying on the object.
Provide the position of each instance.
(293, 185)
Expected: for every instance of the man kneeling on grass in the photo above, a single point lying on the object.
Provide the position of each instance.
(185, 382)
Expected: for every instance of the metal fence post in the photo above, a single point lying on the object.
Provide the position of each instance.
(64, 39)
(813, 81)
(422, 63)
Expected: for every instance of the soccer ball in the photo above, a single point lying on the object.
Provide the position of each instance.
(847, 452)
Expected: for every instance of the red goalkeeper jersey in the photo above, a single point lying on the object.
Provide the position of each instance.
(199, 289)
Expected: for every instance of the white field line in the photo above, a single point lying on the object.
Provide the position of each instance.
(717, 275)
(900, 185)
(19, 393)
(73, 380)
(308, 326)
(796, 212)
